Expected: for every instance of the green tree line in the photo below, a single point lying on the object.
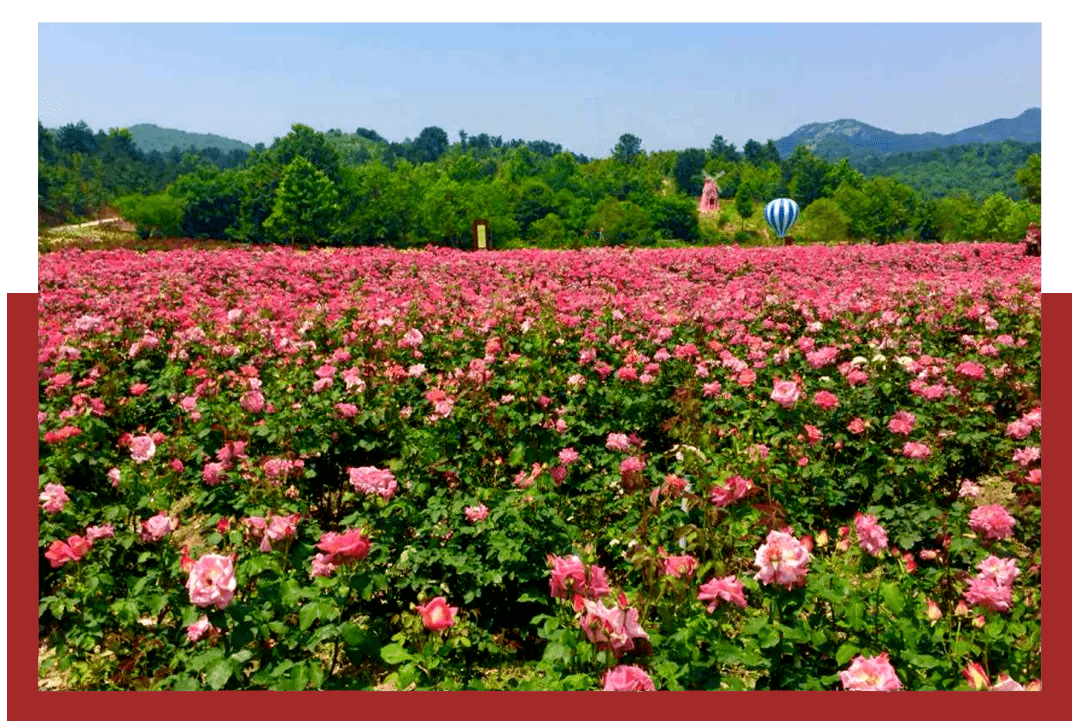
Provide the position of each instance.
(338, 188)
(80, 171)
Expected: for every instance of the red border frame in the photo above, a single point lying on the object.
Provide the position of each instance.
(25, 702)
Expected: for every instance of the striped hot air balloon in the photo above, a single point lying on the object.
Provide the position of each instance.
(781, 214)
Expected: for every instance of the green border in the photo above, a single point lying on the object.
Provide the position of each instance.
(18, 273)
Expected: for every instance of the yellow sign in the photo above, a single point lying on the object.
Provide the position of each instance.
(481, 237)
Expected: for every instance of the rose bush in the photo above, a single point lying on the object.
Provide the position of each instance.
(604, 459)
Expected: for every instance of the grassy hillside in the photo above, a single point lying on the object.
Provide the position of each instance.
(149, 138)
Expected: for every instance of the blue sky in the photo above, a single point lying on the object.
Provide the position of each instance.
(581, 85)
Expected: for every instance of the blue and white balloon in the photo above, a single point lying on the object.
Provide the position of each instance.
(781, 214)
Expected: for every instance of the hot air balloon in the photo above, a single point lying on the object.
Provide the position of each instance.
(781, 214)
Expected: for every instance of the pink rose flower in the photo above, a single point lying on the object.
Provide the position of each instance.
(901, 423)
(627, 678)
(729, 589)
(53, 498)
(476, 513)
(856, 426)
(1027, 455)
(373, 481)
(1018, 429)
(73, 549)
(613, 628)
(825, 399)
(196, 630)
(95, 532)
(971, 369)
(157, 527)
(989, 593)
(113, 477)
(813, 434)
(437, 615)
(322, 565)
(411, 339)
(567, 575)
(916, 450)
(344, 548)
(785, 393)
(618, 441)
(969, 489)
(1002, 571)
(142, 448)
(872, 537)
(345, 410)
(819, 358)
(734, 488)
(680, 566)
(211, 581)
(992, 521)
(976, 676)
(871, 674)
(781, 560)
(212, 473)
(568, 455)
(631, 465)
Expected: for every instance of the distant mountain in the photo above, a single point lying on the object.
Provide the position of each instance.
(857, 141)
(150, 137)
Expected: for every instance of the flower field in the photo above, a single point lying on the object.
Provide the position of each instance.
(803, 468)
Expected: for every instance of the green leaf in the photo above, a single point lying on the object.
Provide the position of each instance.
(846, 653)
(308, 613)
(924, 661)
(352, 634)
(395, 654)
(890, 593)
(556, 652)
(405, 676)
(219, 674)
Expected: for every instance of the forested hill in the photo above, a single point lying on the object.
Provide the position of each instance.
(150, 138)
(850, 138)
(976, 169)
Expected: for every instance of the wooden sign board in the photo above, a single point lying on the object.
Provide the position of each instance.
(481, 235)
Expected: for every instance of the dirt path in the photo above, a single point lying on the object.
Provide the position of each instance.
(84, 224)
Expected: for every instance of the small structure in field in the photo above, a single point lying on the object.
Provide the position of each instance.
(710, 196)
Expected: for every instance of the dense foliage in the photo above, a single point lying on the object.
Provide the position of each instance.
(429, 189)
(978, 170)
(80, 171)
(782, 468)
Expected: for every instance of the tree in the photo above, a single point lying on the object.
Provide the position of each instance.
(688, 167)
(627, 149)
(370, 134)
(838, 174)
(305, 204)
(153, 215)
(77, 138)
(211, 202)
(720, 149)
(537, 200)
(805, 176)
(753, 152)
(303, 141)
(992, 222)
(770, 153)
(674, 218)
(430, 145)
(1029, 177)
(744, 203)
(824, 221)
(548, 232)
(954, 218)
(621, 223)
